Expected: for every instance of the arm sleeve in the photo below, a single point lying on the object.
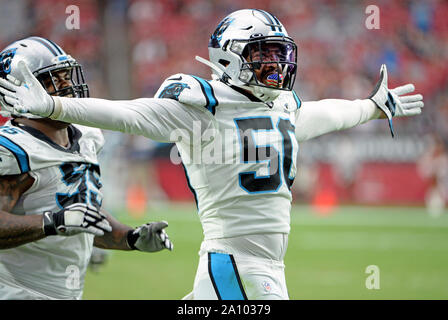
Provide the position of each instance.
(163, 120)
(316, 118)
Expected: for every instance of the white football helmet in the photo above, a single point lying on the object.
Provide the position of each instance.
(44, 58)
(251, 49)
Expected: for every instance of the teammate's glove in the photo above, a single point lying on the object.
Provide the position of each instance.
(74, 219)
(393, 102)
(26, 97)
(150, 237)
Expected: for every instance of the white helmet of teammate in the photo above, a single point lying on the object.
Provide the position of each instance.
(251, 49)
(45, 59)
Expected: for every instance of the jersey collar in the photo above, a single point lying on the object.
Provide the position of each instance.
(73, 135)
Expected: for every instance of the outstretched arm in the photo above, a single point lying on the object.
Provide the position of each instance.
(163, 120)
(319, 117)
(150, 237)
(116, 239)
(316, 118)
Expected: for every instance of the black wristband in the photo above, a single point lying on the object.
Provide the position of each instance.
(131, 238)
(49, 226)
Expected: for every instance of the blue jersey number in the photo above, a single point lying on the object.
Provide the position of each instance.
(87, 178)
(10, 130)
(279, 161)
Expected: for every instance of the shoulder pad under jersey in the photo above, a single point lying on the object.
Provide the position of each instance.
(14, 158)
(189, 90)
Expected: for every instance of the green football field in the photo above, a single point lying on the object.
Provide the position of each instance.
(327, 256)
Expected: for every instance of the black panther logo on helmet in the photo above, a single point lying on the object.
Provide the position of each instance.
(5, 61)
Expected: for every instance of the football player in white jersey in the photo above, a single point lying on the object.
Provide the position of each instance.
(50, 197)
(238, 136)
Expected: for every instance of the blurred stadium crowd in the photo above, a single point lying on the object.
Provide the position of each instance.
(127, 48)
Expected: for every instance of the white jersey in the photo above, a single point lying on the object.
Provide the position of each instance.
(241, 171)
(53, 267)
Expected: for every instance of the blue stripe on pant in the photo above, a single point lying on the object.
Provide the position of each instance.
(225, 278)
